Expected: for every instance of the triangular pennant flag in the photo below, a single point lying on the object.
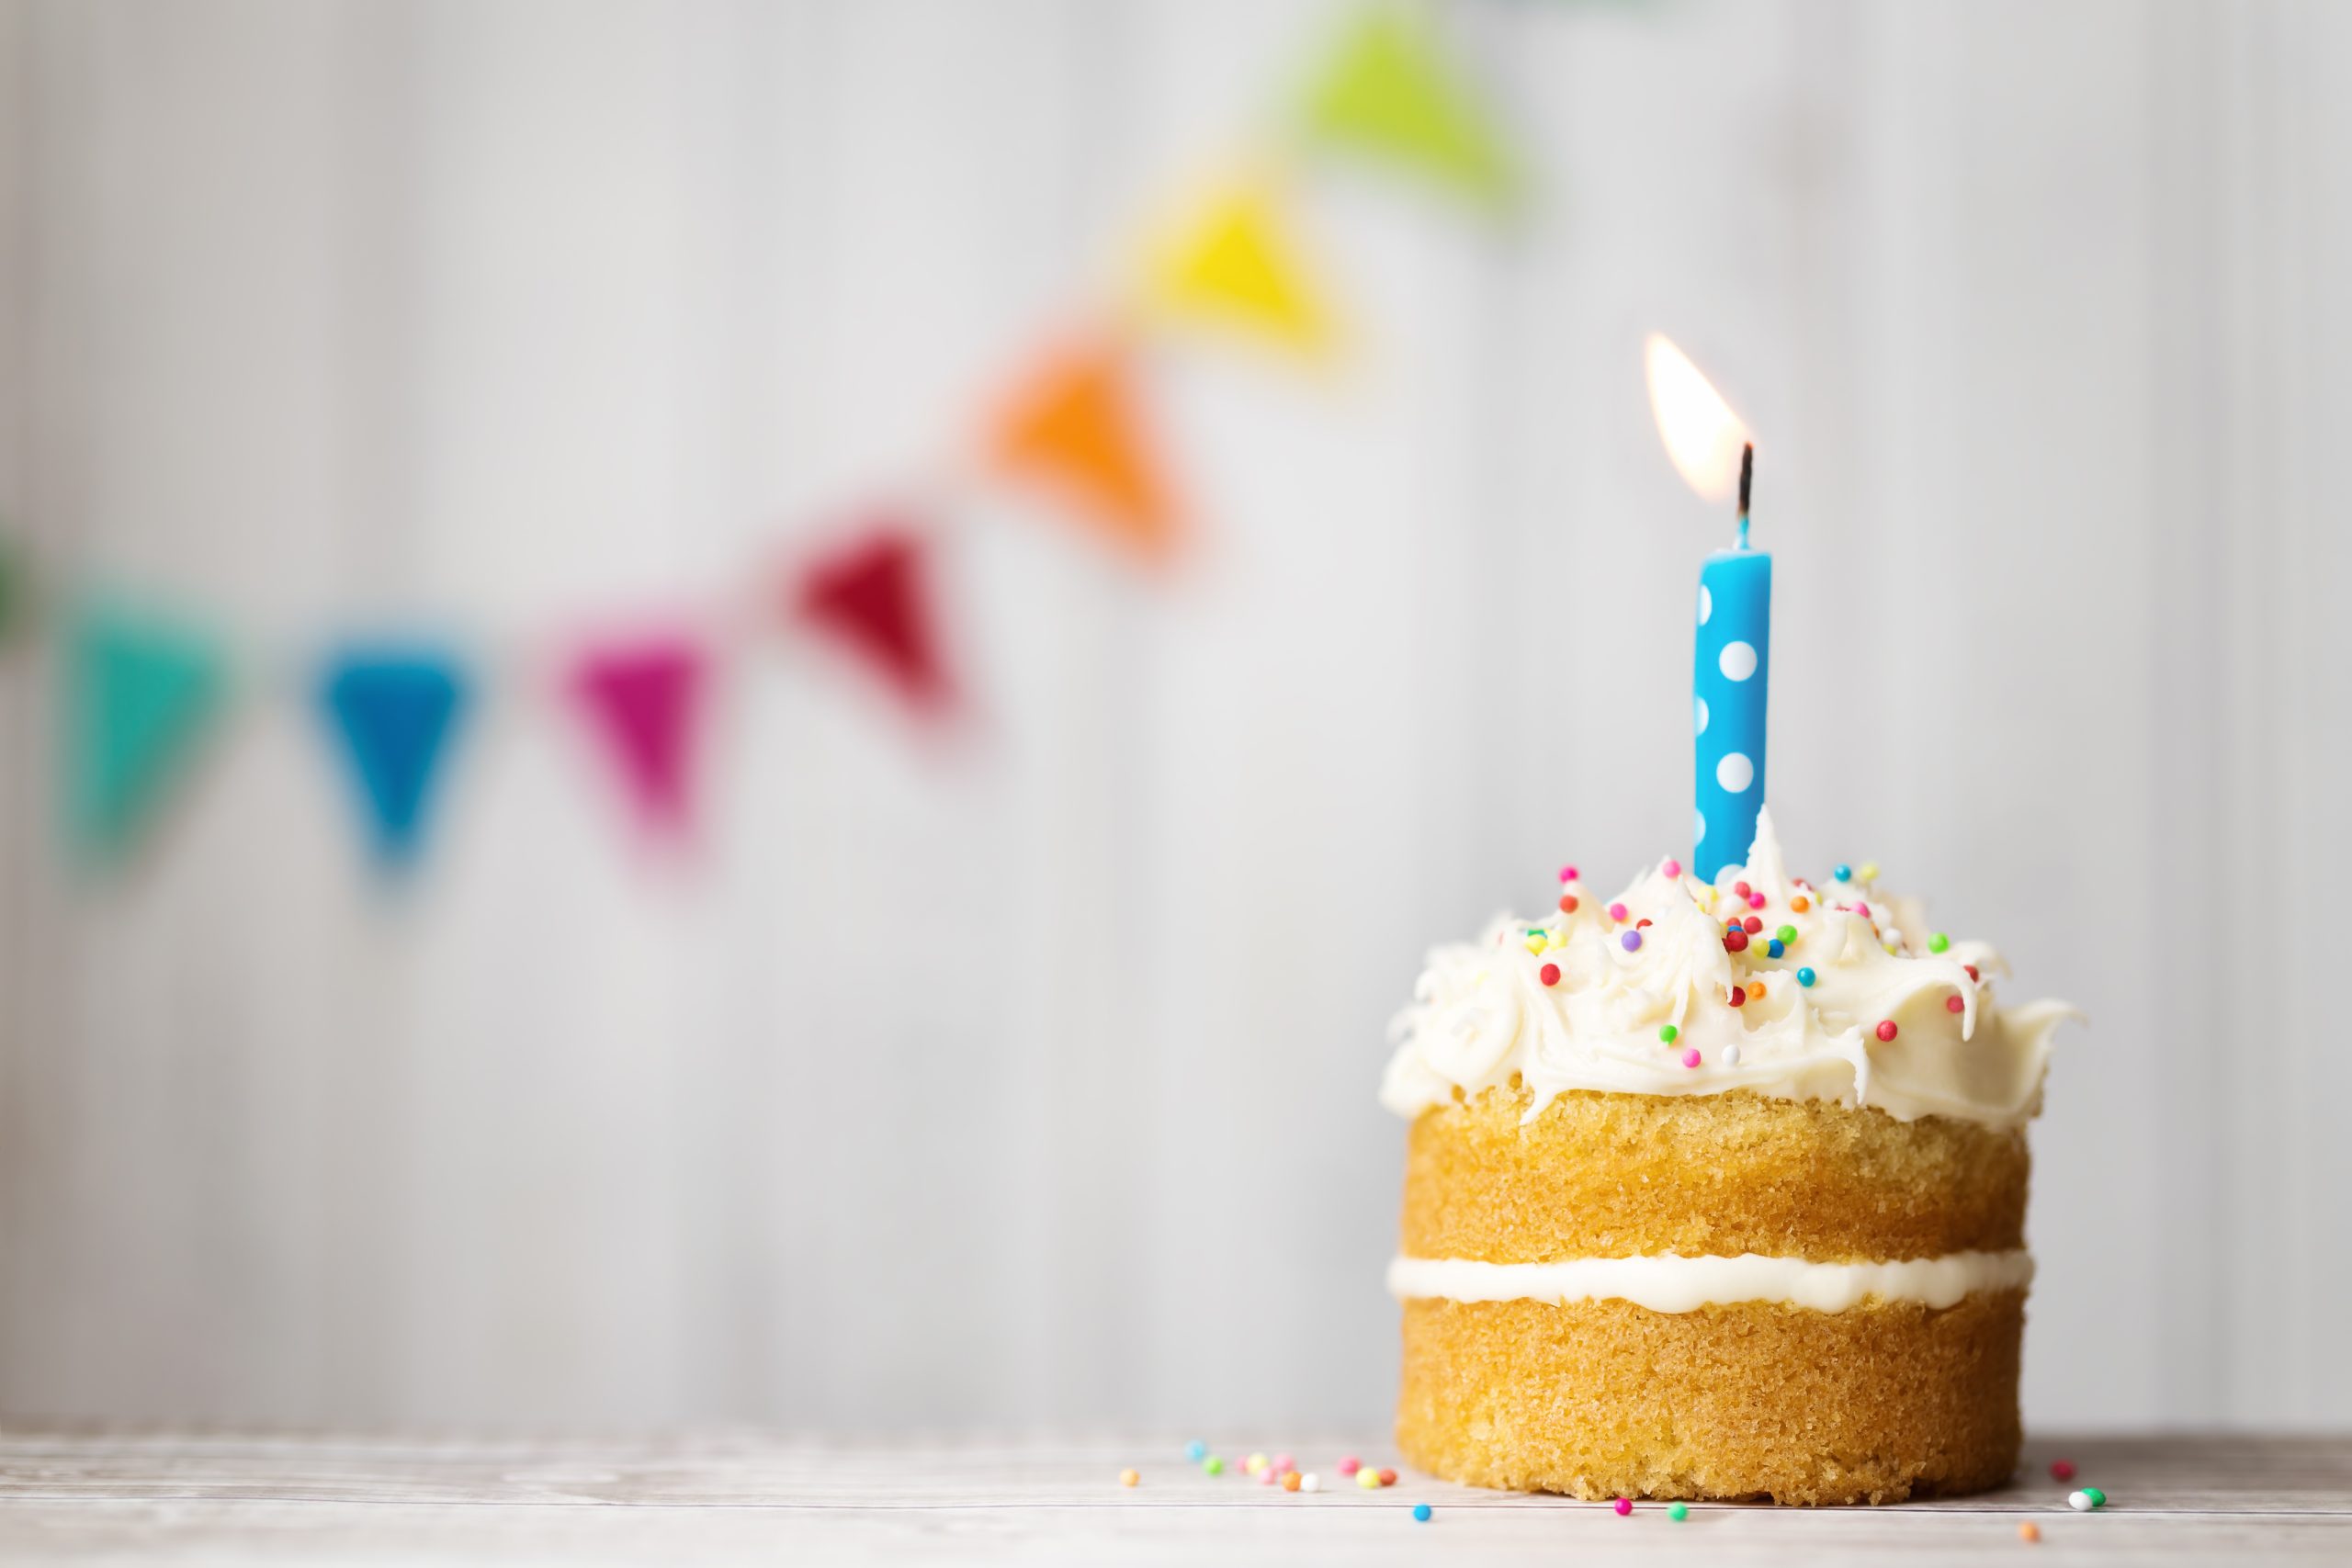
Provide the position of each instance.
(16, 591)
(140, 694)
(394, 712)
(1072, 428)
(1237, 267)
(873, 598)
(643, 698)
(1387, 94)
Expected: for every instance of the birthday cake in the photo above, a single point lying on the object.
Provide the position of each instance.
(1715, 1188)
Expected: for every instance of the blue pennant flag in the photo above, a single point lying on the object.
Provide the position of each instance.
(396, 713)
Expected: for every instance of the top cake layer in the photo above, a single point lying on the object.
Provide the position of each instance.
(1832, 993)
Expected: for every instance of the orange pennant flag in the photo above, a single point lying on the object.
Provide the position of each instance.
(1071, 428)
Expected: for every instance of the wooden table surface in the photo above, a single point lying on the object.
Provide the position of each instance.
(742, 1497)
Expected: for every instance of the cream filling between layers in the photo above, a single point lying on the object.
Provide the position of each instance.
(1667, 1282)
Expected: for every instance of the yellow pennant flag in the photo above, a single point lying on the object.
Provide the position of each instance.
(1235, 267)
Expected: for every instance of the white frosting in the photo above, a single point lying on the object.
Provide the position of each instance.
(1481, 1012)
(1669, 1282)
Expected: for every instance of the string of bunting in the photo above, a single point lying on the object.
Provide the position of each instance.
(142, 689)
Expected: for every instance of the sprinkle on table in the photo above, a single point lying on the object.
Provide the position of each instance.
(1350, 1466)
(1310, 1481)
(1388, 1478)
(1368, 1479)
(1254, 1463)
(1129, 1478)
(1678, 1512)
(1196, 1450)
(2089, 1497)
(2063, 1470)
(1212, 1465)
(1623, 1506)
(1421, 1512)
(1886, 1030)
(1291, 1481)
(2028, 1532)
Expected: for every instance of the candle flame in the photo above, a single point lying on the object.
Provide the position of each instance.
(1702, 434)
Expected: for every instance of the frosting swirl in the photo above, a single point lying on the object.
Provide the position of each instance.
(1650, 993)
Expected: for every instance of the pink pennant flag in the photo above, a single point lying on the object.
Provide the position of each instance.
(643, 698)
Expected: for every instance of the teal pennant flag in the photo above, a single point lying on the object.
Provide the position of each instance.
(139, 692)
(395, 713)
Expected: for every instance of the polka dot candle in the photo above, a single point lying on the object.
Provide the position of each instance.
(1732, 673)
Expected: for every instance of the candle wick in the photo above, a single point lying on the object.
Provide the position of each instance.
(1746, 478)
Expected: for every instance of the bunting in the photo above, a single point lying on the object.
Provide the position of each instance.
(1071, 429)
(395, 713)
(1237, 267)
(873, 599)
(643, 700)
(1388, 96)
(140, 692)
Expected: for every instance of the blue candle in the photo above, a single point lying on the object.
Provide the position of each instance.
(1728, 686)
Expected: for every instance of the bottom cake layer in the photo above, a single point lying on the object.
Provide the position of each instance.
(1599, 1399)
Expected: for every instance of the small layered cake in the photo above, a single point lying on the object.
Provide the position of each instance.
(1716, 1192)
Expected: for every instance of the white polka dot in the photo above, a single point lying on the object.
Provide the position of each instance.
(1706, 604)
(1738, 660)
(1700, 704)
(1735, 772)
(1697, 828)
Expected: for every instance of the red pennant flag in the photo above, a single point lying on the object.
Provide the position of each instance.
(643, 698)
(873, 597)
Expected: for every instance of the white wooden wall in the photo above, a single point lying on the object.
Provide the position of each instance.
(1031, 1080)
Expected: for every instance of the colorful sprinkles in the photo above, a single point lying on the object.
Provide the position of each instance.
(1678, 1512)
(1743, 931)
(2083, 1501)
(1421, 1512)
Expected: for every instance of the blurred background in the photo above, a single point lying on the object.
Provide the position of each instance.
(711, 770)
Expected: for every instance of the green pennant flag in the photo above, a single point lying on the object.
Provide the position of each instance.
(1387, 94)
(139, 692)
(15, 591)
